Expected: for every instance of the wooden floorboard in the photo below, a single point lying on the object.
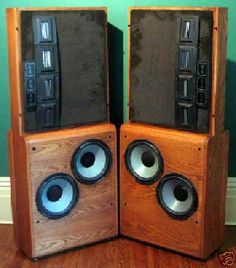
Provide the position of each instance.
(116, 253)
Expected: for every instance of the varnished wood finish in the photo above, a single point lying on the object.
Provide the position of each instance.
(94, 217)
(218, 62)
(215, 192)
(20, 192)
(195, 156)
(218, 71)
(13, 184)
(15, 69)
(118, 253)
(15, 61)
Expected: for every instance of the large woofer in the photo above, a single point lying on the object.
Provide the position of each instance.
(57, 195)
(144, 161)
(91, 161)
(177, 195)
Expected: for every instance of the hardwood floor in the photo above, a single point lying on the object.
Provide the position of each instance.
(116, 253)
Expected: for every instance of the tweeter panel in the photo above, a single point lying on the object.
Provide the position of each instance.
(172, 191)
(177, 67)
(64, 188)
(62, 80)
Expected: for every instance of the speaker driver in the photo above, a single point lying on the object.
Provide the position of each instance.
(91, 161)
(57, 195)
(144, 161)
(177, 195)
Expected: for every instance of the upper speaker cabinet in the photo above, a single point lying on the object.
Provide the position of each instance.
(177, 67)
(58, 64)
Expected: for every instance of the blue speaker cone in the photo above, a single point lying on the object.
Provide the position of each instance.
(57, 195)
(91, 161)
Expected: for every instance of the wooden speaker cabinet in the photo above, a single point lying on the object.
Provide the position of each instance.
(172, 188)
(62, 146)
(59, 199)
(174, 150)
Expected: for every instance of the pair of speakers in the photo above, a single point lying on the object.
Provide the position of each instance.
(173, 150)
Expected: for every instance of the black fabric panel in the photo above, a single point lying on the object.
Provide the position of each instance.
(153, 56)
(82, 52)
(153, 64)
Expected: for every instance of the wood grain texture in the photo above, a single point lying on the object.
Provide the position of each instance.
(215, 193)
(142, 217)
(112, 254)
(15, 71)
(20, 192)
(218, 61)
(218, 71)
(13, 184)
(95, 215)
(61, 8)
(173, 8)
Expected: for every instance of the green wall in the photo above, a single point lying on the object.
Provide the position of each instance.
(117, 16)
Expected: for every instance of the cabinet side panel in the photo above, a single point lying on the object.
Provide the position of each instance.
(218, 71)
(214, 218)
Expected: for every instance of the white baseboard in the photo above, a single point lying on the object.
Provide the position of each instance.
(5, 201)
(6, 215)
(231, 202)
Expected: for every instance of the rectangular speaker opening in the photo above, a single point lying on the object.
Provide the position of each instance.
(184, 58)
(29, 69)
(44, 28)
(47, 59)
(186, 88)
(47, 115)
(202, 83)
(31, 98)
(187, 59)
(30, 83)
(202, 99)
(189, 29)
(202, 68)
(186, 115)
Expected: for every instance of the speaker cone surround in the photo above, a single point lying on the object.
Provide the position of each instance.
(91, 161)
(57, 195)
(144, 161)
(177, 196)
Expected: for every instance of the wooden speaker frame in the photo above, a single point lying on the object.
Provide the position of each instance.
(200, 158)
(33, 157)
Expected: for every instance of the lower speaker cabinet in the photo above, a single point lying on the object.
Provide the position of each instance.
(172, 188)
(64, 188)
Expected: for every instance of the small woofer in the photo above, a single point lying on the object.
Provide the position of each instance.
(177, 196)
(91, 161)
(144, 161)
(57, 195)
